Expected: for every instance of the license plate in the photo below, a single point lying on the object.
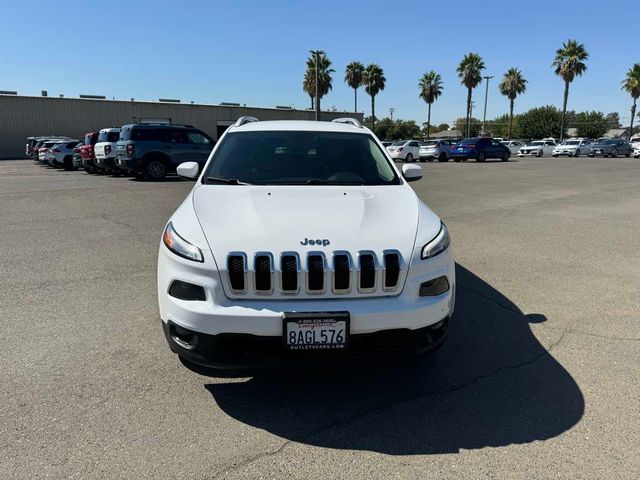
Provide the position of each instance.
(316, 331)
(461, 149)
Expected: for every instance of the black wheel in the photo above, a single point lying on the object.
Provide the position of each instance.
(481, 157)
(443, 157)
(409, 158)
(423, 159)
(627, 154)
(577, 154)
(505, 157)
(156, 169)
(456, 159)
(554, 156)
(539, 154)
(614, 154)
(68, 163)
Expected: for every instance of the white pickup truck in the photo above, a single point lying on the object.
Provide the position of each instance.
(302, 241)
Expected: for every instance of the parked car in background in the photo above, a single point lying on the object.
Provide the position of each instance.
(435, 149)
(105, 150)
(572, 148)
(155, 150)
(62, 154)
(537, 148)
(636, 152)
(35, 149)
(44, 151)
(386, 143)
(610, 147)
(406, 150)
(480, 149)
(77, 157)
(87, 153)
(635, 141)
(513, 145)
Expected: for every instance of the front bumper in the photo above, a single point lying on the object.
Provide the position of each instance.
(600, 153)
(219, 315)
(528, 153)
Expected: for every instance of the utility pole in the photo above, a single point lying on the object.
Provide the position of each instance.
(391, 110)
(316, 55)
(486, 95)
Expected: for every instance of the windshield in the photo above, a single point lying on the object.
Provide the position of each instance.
(430, 143)
(399, 143)
(108, 136)
(298, 158)
(469, 141)
(607, 142)
(536, 143)
(571, 142)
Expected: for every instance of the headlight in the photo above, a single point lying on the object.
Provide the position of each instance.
(438, 245)
(180, 246)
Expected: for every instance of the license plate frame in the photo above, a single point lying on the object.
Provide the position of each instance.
(308, 330)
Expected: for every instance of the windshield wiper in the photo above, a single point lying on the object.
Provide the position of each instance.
(227, 181)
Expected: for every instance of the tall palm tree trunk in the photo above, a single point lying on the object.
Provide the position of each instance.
(311, 96)
(429, 122)
(373, 113)
(355, 100)
(564, 108)
(510, 117)
(468, 134)
(633, 114)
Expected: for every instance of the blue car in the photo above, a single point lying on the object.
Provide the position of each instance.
(479, 148)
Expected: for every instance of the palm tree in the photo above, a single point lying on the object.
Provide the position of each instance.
(512, 85)
(353, 76)
(569, 63)
(374, 81)
(470, 74)
(324, 77)
(632, 85)
(430, 89)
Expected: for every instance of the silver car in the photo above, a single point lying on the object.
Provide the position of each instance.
(435, 149)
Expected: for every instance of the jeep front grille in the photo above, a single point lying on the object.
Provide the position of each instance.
(317, 273)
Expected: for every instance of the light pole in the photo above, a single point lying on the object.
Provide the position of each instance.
(486, 95)
(391, 110)
(316, 55)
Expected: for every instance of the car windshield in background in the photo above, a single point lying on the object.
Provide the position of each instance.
(536, 144)
(300, 158)
(469, 141)
(571, 142)
(429, 143)
(607, 142)
(398, 144)
(108, 137)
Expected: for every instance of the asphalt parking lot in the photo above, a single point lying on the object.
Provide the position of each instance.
(540, 377)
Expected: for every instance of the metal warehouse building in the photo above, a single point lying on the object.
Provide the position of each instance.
(22, 116)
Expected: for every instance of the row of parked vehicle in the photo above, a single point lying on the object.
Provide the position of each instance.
(150, 150)
(482, 148)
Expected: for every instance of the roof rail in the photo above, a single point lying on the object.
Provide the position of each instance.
(349, 120)
(246, 119)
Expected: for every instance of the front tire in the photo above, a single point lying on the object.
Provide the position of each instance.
(614, 154)
(409, 158)
(505, 157)
(539, 153)
(577, 154)
(481, 157)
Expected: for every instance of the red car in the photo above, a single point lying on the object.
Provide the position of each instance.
(87, 154)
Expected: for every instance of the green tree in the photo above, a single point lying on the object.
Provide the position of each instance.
(324, 77)
(540, 122)
(470, 74)
(501, 125)
(613, 120)
(430, 89)
(473, 125)
(442, 127)
(353, 74)
(591, 124)
(512, 85)
(569, 64)
(631, 84)
(374, 83)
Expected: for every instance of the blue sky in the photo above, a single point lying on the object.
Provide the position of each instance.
(253, 51)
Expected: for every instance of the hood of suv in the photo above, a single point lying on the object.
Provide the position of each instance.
(252, 219)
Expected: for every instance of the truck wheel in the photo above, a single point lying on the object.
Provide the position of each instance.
(155, 169)
(443, 157)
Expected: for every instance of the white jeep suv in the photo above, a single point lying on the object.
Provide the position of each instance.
(302, 240)
(105, 149)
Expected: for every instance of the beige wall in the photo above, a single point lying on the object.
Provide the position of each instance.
(21, 117)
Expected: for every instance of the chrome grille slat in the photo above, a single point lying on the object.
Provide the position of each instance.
(287, 274)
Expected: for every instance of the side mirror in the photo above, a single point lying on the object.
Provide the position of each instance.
(411, 173)
(188, 170)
